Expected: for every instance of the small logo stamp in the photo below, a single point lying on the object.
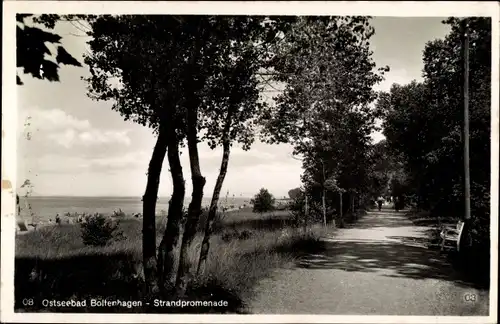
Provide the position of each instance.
(470, 297)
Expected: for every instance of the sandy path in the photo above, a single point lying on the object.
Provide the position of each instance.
(380, 266)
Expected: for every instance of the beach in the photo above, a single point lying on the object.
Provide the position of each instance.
(43, 210)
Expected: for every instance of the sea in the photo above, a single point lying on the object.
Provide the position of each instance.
(45, 209)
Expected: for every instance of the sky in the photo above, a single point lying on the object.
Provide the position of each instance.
(80, 147)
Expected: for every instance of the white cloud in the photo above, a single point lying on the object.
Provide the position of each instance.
(67, 130)
(399, 76)
(236, 152)
(65, 138)
(129, 160)
(97, 137)
(59, 163)
(55, 119)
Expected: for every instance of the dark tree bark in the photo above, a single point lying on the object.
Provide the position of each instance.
(170, 239)
(194, 210)
(149, 211)
(212, 213)
(175, 212)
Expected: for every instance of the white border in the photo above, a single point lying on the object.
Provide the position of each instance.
(372, 8)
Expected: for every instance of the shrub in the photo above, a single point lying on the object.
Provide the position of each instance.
(263, 201)
(99, 230)
(119, 213)
(315, 210)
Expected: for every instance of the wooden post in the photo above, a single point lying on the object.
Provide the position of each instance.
(466, 122)
(341, 211)
(352, 204)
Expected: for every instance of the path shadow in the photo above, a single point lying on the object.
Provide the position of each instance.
(393, 258)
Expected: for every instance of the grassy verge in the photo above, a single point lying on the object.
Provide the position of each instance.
(52, 263)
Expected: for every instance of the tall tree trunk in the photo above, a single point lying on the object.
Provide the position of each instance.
(198, 181)
(175, 210)
(166, 252)
(306, 211)
(352, 206)
(212, 213)
(149, 213)
(341, 208)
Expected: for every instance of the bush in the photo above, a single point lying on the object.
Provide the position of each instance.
(119, 213)
(315, 210)
(263, 201)
(98, 230)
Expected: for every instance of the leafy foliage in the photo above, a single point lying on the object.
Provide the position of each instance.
(423, 125)
(326, 66)
(294, 193)
(98, 230)
(32, 50)
(263, 201)
(423, 122)
(192, 77)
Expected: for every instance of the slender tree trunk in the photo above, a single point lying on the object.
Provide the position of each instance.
(166, 251)
(212, 213)
(306, 212)
(149, 213)
(323, 198)
(198, 181)
(323, 201)
(352, 204)
(341, 218)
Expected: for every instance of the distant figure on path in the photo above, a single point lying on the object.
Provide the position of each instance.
(18, 205)
(396, 203)
(399, 203)
(380, 201)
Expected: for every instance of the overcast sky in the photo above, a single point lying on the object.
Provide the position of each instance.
(81, 147)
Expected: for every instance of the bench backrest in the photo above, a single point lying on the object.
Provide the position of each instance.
(460, 228)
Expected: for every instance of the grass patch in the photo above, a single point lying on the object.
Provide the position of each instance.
(53, 263)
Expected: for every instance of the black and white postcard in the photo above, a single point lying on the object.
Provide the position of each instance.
(229, 161)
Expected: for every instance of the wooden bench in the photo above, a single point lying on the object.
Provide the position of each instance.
(452, 235)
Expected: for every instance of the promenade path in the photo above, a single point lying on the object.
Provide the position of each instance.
(378, 266)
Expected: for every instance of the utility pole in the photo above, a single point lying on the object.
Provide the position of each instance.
(341, 212)
(466, 120)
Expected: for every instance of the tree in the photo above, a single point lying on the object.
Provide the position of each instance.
(294, 193)
(263, 201)
(229, 116)
(233, 49)
(31, 48)
(423, 122)
(208, 84)
(323, 111)
(149, 91)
